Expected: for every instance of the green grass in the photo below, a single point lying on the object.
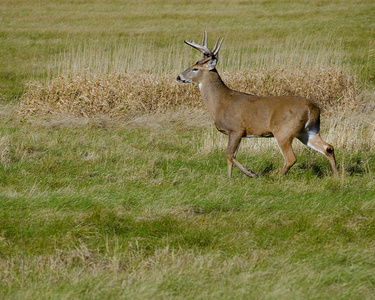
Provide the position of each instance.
(142, 209)
(38, 37)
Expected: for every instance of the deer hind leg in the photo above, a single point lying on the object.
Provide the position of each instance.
(233, 145)
(315, 142)
(285, 145)
(230, 161)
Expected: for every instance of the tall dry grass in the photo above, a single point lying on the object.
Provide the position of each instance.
(114, 94)
(350, 124)
(91, 95)
(117, 80)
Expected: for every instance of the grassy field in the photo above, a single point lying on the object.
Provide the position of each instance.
(113, 179)
(143, 209)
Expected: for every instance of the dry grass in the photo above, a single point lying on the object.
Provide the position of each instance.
(118, 94)
(350, 124)
(113, 94)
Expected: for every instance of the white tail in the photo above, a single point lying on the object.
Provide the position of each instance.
(240, 115)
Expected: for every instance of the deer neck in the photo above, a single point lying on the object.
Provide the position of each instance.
(213, 91)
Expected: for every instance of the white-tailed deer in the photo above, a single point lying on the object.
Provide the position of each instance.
(240, 115)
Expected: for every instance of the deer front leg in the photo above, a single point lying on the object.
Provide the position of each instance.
(233, 145)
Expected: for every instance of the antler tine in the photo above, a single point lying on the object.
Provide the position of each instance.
(202, 48)
(204, 41)
(216, 49)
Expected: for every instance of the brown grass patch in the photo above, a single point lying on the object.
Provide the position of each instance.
(114, 95)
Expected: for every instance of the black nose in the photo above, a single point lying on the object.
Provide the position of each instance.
(178, 78)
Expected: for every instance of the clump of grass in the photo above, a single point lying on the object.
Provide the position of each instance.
(116, 94)
(112, 94)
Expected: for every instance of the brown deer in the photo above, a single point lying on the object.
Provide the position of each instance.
(240, 115)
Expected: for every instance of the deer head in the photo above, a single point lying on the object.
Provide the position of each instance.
(208, 63)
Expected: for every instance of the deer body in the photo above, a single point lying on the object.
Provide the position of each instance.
(240, 115)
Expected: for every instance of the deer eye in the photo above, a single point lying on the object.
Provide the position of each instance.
(195, 69)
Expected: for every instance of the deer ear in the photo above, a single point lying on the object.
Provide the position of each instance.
(212, 64)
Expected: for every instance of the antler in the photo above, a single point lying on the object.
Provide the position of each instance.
(217, 46)
(204, 48)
